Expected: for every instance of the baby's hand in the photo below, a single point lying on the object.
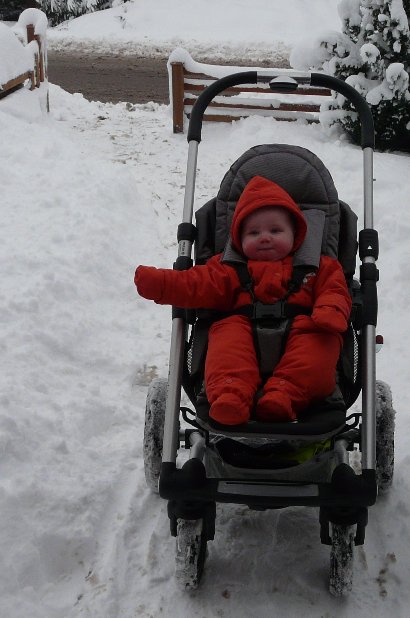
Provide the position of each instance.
(149, 282)
(330, 319)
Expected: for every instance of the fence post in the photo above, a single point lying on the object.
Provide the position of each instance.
(41, 57)
(40, 69)
(33, 80)
(30, 33)
(31, 37)
(177, 72)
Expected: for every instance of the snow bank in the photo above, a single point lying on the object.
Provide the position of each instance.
(15, 59)
(147, 28)
(27, 105)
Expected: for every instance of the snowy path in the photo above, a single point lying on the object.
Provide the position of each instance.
(82, 536)
(131, 526)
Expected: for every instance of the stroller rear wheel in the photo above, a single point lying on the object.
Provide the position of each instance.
(190, 556)
(154, 431)
(341, 559)
(384, 436)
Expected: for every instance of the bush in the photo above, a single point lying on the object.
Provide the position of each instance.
(373, 55)
(11, 9)
(58, 11)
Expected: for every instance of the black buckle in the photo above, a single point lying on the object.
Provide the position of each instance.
(269, 312)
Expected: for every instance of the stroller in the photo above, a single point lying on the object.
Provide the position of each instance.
(274, 465)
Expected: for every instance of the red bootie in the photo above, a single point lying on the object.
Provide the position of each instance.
(274, 407)
(229, 409)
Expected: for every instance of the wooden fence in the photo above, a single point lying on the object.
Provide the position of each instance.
(239, 101)
(38, 74)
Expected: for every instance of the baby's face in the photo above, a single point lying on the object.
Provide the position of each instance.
(267, 234)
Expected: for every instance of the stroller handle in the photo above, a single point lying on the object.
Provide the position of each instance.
(288, 84)
(204, 99)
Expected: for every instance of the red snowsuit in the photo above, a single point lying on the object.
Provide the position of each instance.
(306, 371)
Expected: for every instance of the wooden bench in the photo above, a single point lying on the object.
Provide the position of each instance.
(189, 78)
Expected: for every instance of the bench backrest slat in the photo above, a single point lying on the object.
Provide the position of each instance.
(227, 106)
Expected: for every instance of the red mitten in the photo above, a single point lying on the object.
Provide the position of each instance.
(304, 323)
(149, 282)
(329, 319)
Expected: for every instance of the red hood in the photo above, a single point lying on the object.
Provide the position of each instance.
(260, 192)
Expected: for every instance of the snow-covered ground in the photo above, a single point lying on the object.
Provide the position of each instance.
(88, 192)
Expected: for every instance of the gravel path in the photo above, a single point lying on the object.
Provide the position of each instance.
(110, 78)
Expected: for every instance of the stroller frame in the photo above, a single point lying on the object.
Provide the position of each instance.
(344, 500)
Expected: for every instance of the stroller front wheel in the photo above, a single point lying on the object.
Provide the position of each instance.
(191, 544)
(341, 559)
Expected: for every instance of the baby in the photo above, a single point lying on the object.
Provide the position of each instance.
(267, 228)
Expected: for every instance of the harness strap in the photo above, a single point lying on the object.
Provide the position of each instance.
(295, 283)
(281, 309)
(258, 311)
(270, 322)
(244, 277)
(296, 280)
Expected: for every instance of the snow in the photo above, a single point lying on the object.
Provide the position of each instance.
(350, 9)
(218, 70)
(33, 17)
(137, 27)
(396, 82)
(369, 53)
(88, 192)
(15, 58)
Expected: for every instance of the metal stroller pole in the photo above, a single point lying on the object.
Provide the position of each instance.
(369, 333)
(178, 332)
(368, 252)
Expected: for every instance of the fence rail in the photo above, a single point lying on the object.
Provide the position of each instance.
(15, 83)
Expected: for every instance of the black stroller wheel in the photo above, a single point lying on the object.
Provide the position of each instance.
(154, 431)
(191, 545)
(341, 559)
(384, 436)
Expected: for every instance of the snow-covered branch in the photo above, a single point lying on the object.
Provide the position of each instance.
(371, 53)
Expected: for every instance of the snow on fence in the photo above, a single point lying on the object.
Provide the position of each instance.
(23, 52)
(188, 78)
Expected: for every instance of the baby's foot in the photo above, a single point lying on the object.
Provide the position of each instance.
(275, 406)
(229, 409)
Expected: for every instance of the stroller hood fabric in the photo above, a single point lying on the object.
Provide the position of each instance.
(332, 225)
(260, 193)
(298, 171)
